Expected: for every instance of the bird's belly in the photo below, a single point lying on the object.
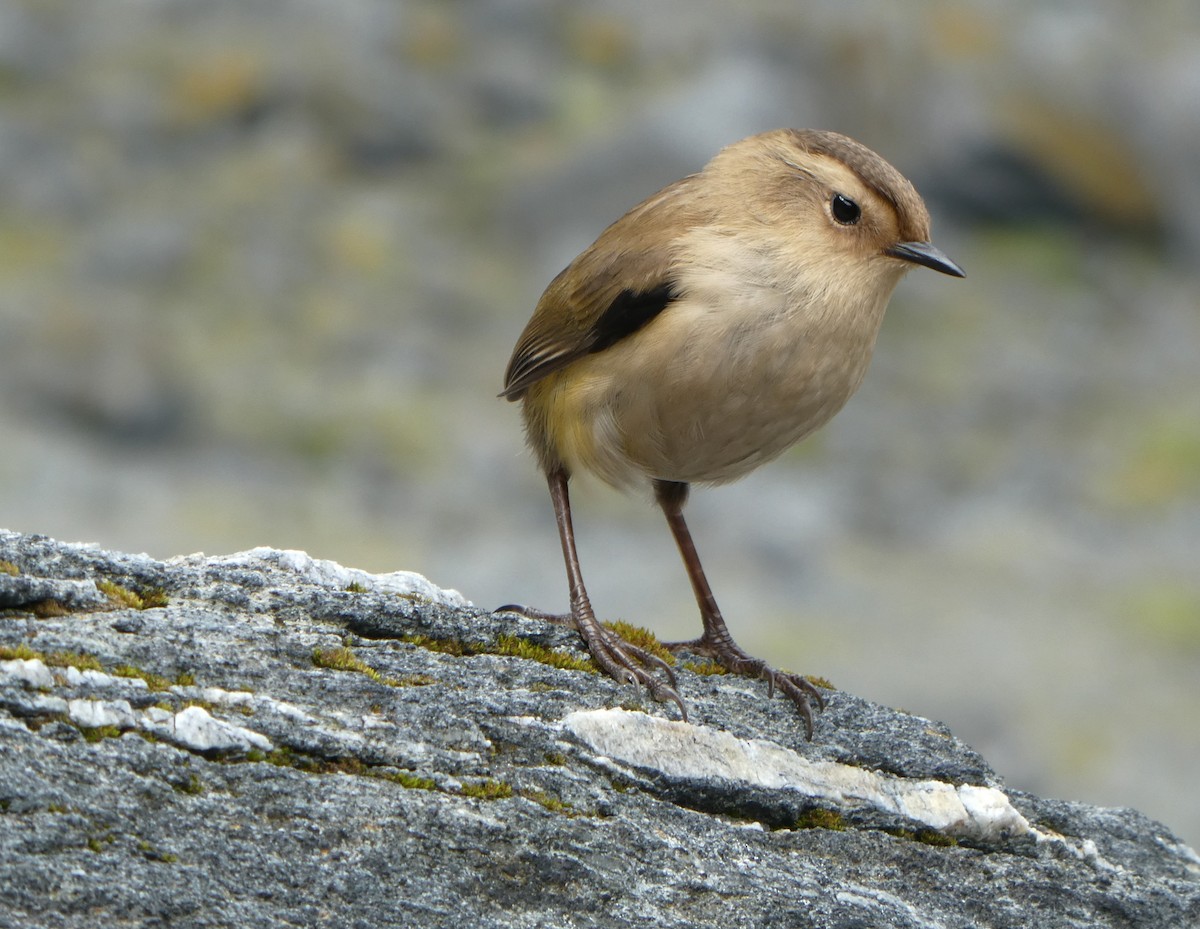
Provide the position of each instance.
(727, 439)
(719, 427)
(708, 404)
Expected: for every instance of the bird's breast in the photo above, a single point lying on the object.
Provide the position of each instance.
(713, 387)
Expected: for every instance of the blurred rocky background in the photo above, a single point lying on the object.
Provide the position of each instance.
(262, 264)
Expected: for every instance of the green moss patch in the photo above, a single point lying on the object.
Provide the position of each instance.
(80, 660)
(118, 597)
(488, 789)
(99, 733)
(155, 854)
(20, 652)
(643, 638)
(124, 598)
(192, 786)
(57, 659)
(517, 647)
(409, 780)
(156, 682)
(549, 801)
(510, 645)
(925, 837)
(705, 667)
(285, 757)
(86, 662)
(820, 818)
(344, 659)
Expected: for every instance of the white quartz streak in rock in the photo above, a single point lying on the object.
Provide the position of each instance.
(32, 672)
(92, 714)
(687, 752)
(195, 729)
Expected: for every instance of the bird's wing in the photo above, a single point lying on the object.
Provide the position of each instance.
(614, 288)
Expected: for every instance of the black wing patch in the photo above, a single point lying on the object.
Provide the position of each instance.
(628, 313)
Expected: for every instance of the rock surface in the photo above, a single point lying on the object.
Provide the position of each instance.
(264, 739)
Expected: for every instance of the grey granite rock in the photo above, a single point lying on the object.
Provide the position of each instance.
(265, 739)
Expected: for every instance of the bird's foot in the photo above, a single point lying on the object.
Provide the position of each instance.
(617, 657)
(730, 656)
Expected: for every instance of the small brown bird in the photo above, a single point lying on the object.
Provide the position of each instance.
(704, 332)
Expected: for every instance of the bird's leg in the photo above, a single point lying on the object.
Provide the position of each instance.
(619, 659)
(716, 642)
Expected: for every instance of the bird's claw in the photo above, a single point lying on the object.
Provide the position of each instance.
(626, 662)
(795, 687)
(620, 659)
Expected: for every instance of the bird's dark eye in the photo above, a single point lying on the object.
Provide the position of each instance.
(844, 210)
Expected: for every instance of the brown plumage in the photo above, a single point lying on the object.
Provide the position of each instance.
(708, 329)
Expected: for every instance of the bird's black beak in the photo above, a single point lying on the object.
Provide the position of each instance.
(927, 254)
